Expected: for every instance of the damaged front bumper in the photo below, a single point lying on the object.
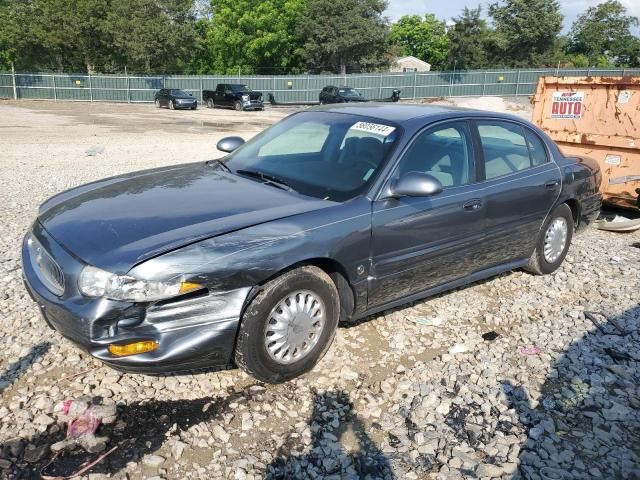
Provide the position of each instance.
(195, 331)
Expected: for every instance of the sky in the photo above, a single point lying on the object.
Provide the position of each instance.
(445, 9)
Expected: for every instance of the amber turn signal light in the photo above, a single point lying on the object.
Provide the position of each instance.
(133, 348)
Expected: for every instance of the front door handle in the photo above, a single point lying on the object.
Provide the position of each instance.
(552, 184)
(472, 205)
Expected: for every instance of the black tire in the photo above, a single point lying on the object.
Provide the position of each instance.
(195, 107)
(238, 106)
(210, 103)
(157, 102)
(251, 353)
(172, 105)
(538, 264)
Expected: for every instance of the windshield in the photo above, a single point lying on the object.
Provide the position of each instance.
(179, 93)
(239, 88)
(348, 92)
(327, 155)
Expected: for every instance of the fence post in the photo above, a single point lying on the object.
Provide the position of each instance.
(623, 70)
(13, 82)
(380, 86)
(126, 76)
(451, 84)
(517, 82)
(415, 83)
(55, 92)
(484, 83)
(90, 86)
(308, 87)
(201, 89)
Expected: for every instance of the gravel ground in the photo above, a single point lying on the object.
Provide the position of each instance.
(516, 377)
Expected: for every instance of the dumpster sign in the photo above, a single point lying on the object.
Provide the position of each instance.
(567, 104)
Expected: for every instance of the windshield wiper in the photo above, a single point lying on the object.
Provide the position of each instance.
(220, 163)
(266, 178)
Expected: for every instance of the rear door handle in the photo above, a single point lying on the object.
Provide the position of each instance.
(472, 205)
(552, 184)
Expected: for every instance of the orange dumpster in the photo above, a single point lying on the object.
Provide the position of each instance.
(597, 117)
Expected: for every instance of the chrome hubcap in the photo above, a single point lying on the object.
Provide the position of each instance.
(555, 239)
(294, 326)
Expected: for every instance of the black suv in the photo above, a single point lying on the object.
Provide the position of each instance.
(234, 95)
(174, 99)
(331, 94)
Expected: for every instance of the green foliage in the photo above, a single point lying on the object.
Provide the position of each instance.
(526, 31)
(469, 39)
(348, 33)
(252, 36)
(603, 35)
(424, 38)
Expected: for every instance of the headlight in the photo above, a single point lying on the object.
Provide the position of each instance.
(95, 282)
(245, 98)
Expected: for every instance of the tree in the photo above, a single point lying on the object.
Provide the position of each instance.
(151, 35)
(253, 36)
(603, 35)
(425, 39)
(526, 31)
(348, 33)
(469, 38)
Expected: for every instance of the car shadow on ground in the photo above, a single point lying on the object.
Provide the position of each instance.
(15, 370)
(339, 446)
(142, 428)
(587, 422)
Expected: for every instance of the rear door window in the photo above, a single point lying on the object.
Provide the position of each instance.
(504, 148)
(536, 148)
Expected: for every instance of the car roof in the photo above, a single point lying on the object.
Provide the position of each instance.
(404, 112)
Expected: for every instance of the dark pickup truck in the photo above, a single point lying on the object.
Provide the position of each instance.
(233, 95)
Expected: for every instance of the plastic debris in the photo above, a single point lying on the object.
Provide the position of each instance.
(458, 348)
(94, 150)
(426, 321)
(530, 350)
(85, 423)
(83, 419)
(490, 336)
(618, 224)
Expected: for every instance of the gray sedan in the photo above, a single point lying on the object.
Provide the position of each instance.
(333, 214)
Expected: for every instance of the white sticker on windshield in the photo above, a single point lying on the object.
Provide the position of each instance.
(384, 130)
(368, 175)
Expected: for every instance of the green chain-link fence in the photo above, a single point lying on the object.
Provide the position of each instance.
(295, 88)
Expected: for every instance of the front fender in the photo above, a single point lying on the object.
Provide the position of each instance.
(250, 256)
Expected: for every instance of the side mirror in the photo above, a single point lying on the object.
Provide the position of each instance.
(229, 144)
(416, 184)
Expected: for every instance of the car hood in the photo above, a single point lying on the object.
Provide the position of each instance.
(183, 97)
(119, 222)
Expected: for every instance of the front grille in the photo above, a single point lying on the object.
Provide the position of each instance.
(45, 267)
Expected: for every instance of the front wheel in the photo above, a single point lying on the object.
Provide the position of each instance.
(210, 102)
(553, 242)
(238, 106)
(172, 105)
(288, 327)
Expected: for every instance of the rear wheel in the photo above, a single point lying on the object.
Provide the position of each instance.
(289, 326)
(553, 243)
(238, 106)
(210, 102)
(157, 102)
